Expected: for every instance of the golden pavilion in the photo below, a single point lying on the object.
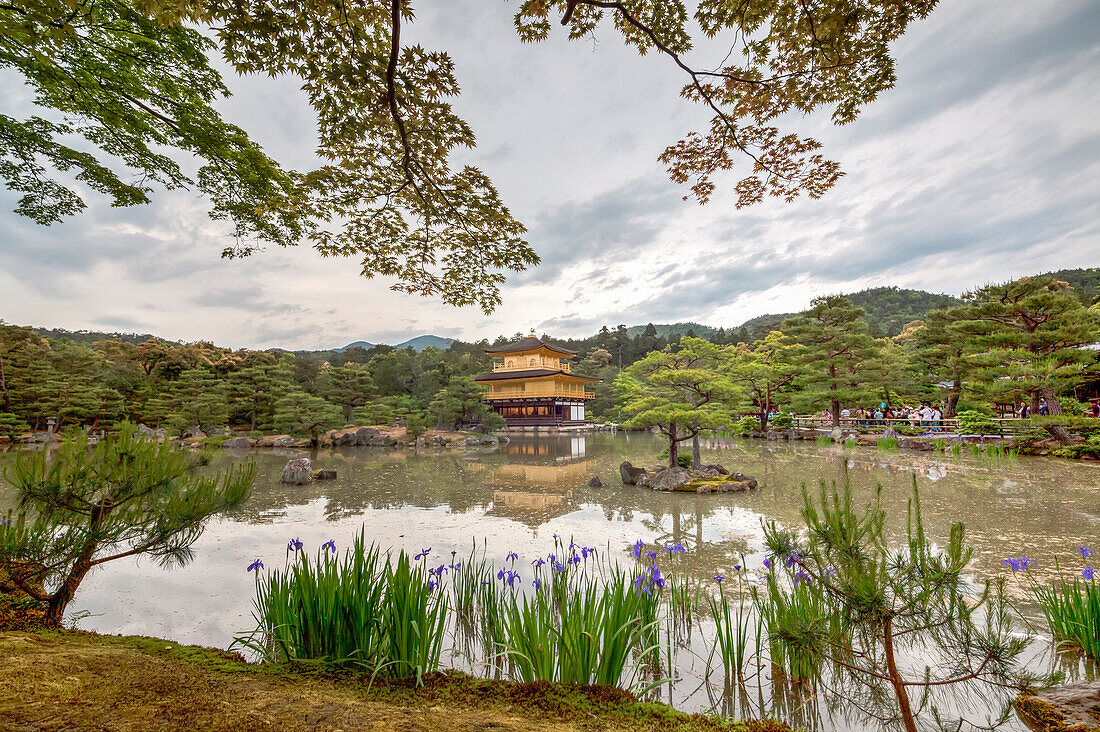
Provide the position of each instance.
(531, 384)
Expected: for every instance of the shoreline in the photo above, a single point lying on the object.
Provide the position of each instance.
(81, 680)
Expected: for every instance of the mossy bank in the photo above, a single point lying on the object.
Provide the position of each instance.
(76, 681)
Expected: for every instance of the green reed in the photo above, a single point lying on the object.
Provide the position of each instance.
(887, 443)
(796, 620)
(1072, 611)
(322, 608)
(732, 625)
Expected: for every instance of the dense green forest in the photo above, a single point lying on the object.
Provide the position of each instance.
(900, 344)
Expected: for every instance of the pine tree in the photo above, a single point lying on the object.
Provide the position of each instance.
(1026, 338)
(348, 386)
(941, 351)
(834, 348)
(300, 413)
(765, 370)
(680, 392)
(124, 497)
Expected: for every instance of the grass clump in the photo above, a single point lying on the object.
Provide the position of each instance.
(1072, 609)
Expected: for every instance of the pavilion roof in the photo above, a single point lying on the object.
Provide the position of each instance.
(530, 343)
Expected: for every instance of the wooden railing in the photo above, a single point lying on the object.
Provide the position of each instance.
(542, 393)
(524, 364)
(1005, 427)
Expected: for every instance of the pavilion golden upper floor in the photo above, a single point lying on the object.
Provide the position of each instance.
(533, 369)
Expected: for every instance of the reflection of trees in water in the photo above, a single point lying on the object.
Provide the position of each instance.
(1028, 506)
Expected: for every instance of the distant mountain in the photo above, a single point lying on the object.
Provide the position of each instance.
(419, 343)
(425, 341)
(365, 345)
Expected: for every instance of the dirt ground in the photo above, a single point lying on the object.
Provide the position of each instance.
(81, 681)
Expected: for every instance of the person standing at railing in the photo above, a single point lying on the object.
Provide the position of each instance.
(937, 417)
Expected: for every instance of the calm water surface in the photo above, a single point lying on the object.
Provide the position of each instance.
(515, 497)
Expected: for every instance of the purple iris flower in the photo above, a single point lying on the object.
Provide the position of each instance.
(438, 571)
(513, 577)
(574, 559)
(1085, 552)
(538, 562)
(586, 550)
(432, 584)
(676, 548)
(257, 566)
(421, 554)
(652, 555)
(512, 556)
(500, 574)
(639, 547)
(718, 578)
(329, 545)
(558, 568)
(655, 576)
(456, 567)
(294, 545)
(767, 563)
(537, 584)
(1087, 573)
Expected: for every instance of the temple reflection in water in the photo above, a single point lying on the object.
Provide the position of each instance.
(537, 482)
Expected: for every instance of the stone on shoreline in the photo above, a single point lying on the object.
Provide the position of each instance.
(1073, 707)
(324, 474)
(595, 482)
(237, 442)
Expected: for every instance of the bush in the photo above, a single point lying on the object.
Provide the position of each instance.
(783, 421)
(972, 422)
(492, 422)
(683, 459)
(746, 425)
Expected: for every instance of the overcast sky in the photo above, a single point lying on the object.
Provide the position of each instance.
(982, 164)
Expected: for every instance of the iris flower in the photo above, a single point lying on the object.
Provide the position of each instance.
(329, 545)
(421, 554)
(257, 566)
(294, 545)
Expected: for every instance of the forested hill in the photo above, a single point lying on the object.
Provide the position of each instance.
(1085, 281)
(888, 309)
(88, 337)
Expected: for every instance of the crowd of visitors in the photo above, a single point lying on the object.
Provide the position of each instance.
(925, 415)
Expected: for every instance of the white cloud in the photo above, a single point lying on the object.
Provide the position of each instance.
(983, 164)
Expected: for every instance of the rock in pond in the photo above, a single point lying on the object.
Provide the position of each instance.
(325, 474)
(630, 474)
(298, 471)
(670, 479)
(595, 482)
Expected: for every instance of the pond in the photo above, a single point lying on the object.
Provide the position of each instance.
(517, 496)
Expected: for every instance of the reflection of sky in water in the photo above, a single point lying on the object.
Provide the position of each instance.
(518, 496)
